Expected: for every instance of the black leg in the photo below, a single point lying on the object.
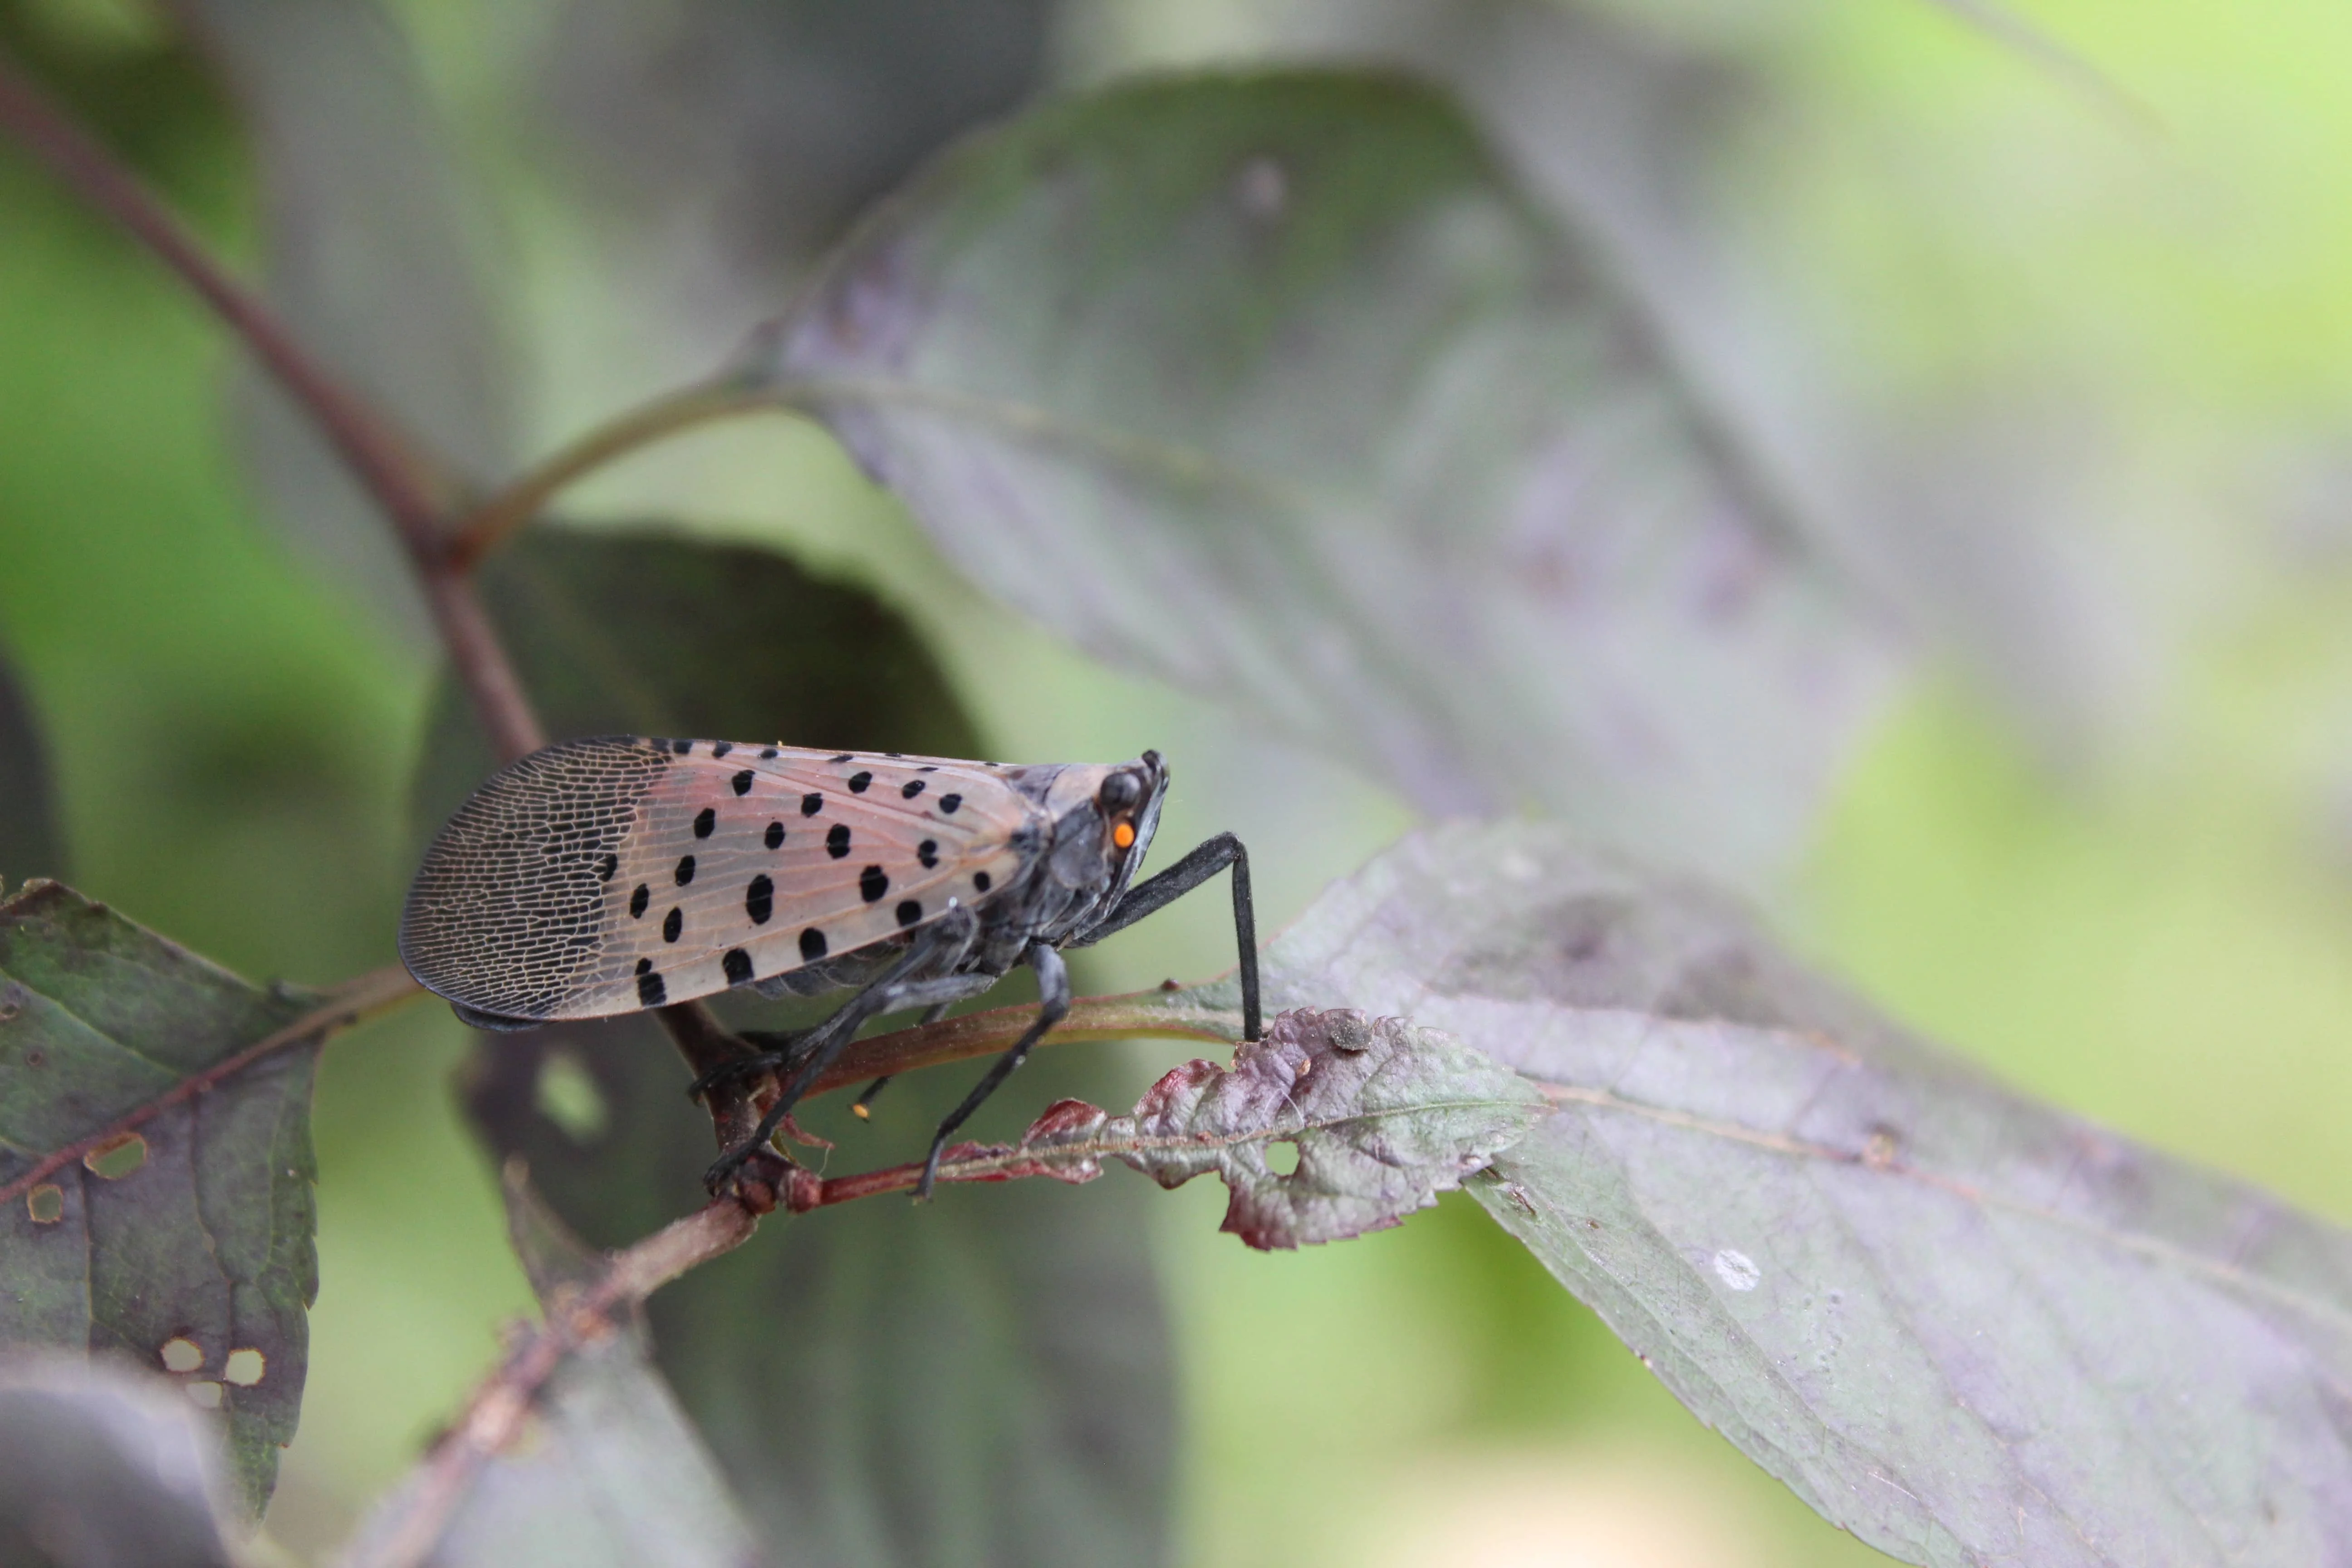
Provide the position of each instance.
(777, 1047)
(915, 981)
(930, 1015)
(1053, 1004)
(1160, 891)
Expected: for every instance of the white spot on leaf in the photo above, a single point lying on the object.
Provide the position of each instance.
(1737, 1269)
(207, 1394)
(245, 1367)
(183, 1354)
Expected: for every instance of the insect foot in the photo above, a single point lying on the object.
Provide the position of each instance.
(736, 1073)
(755, 1174)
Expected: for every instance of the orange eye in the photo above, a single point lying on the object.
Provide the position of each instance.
(1123, 835)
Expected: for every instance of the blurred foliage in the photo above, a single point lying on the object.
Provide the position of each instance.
(2156, 937)
(30, 844)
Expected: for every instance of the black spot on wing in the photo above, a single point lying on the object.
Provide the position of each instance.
(811, 804)
(673, 923)
(981, 881)
(651, 990)
(638, 901)
(705, 820)
(844, 756)
(681, 747)
(684, 872)
(812, 944)
(910, 911)
(837, 842)
(872, 883)
(760, 899)
(738, 966)
(949, 803)
(743, 782)
(776, 839)
(858, 783)
(911, 788)
(720, 749)
(606, 867)
(928, 852)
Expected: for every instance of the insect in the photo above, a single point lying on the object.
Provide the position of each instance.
(607, 876)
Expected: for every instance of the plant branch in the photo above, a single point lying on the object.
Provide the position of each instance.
(806, 1190)
(1138, 1014)
(578, 1317)
(405, 484)
(736, 1104)
(492, 522)
(370, 995)
(495, 1413)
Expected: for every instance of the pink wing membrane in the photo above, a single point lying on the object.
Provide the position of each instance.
(732, 860)
(602, 876)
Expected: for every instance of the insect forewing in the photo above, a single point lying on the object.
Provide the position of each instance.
(600, 877)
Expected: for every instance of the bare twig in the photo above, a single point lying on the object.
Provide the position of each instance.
(407, 486)
(495, 1413)
(354, 1002)
(1135, 1015)
(805, 1190)
(491, 524)
(736, 1105)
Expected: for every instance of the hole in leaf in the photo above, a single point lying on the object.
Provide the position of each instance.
(1282, 1157)
(45, 1204)
(245, 1367)
(117, 1157)
(568, 1095)
(207, 1394)
(183, 1354)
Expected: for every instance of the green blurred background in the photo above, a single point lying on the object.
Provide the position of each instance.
(2137, 903)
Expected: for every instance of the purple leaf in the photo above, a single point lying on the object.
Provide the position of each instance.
(1965, 1326)
(1384, 1116)
(183, 1242)
(1275, 387)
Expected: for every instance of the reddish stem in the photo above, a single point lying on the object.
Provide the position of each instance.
(374, 993)
(494, 1416)
(403, 483)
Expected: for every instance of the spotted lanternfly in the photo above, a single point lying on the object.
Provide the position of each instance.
(606, 875)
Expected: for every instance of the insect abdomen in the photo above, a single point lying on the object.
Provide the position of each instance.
(507, 912)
